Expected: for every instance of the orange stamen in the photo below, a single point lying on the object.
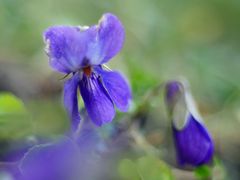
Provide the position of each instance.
(87, 70)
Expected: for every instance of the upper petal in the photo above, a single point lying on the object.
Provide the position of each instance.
(193, 143)
(109, 40)
(97, 101)
(117, 87)
(71, 100)
(67, 46)
(173, 91)
(180, 102)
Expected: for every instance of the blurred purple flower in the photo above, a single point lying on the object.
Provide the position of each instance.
(64, 158)
(52, 161)
(194, 145)
(82, 51)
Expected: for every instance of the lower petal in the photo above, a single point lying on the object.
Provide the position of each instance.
(117, 87)
(71, 100)
(99, 105)
(193, 143)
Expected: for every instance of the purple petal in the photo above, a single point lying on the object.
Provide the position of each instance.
(89, 138)
(97, 102)
(173, 89)
(67, 47)
(117, 87)
(71, 100)
(111, 35)
(53, 161)
(193, 143)
(109, 40)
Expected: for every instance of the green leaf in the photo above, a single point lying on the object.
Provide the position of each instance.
(203, 172)
(215, 172)
(128, 170)
(145, 168)
(14, 119)
(10, 104)
(151, 168)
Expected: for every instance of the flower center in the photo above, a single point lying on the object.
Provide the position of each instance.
(87, 70)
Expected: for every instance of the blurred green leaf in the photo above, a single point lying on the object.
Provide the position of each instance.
(10, 104)
(203, 172)
(128, 170)
(14, 119)
(15, 126)
(151, 168)
(145, 168)
(215, 172)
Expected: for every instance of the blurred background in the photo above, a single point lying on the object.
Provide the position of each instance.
(165, 39)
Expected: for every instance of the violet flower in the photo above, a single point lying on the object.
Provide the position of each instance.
(82, 51)
(52, 161)
(64, 158)
(194, 145)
